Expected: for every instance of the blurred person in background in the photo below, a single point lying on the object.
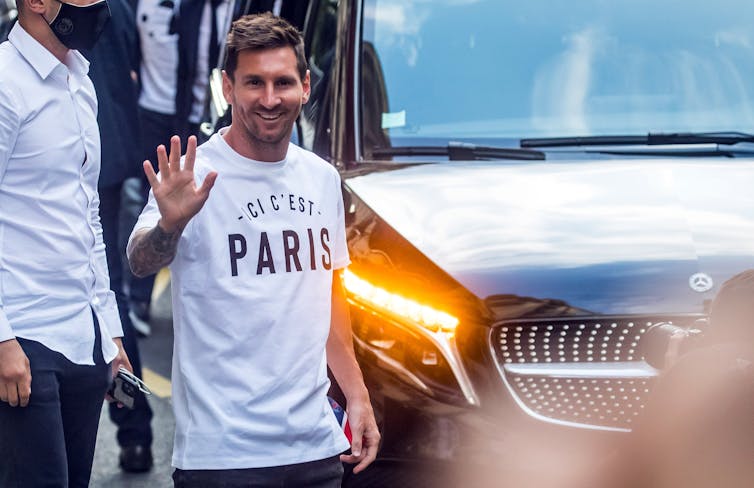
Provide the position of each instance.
(156, 22)
(60, 333)
(697, 430)
(201, 26)
(112, 69)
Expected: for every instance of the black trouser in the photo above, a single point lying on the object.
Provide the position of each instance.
(325, 473)
(133, 425)
(50, 442)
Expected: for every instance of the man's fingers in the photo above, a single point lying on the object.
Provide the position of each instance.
(150, 174)
(362, 466)
(13, 394)
(162, 162)
(24, 391)
(190, 153)
(356, 439)
(114, 366)
(368, 454)
(207, 184)
(3, 393)
(349, 458)
(175, 153)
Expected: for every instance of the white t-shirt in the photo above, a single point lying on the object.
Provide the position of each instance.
(251, 284)
(159, 55)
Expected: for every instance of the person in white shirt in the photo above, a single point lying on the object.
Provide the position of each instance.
(59, 326)
(201, 26)
(258, 305)
(158, 74)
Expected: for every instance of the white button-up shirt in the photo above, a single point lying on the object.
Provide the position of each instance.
(53, 270)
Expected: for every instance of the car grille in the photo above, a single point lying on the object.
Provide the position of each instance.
(583, 372)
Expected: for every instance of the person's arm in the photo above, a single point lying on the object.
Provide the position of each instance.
(10, 124)
(178, 200)
(342, 362)
(15, 373)
(152, 249)
(106, 306)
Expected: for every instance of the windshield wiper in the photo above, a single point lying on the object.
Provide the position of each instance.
(656, 139)
(461, 151)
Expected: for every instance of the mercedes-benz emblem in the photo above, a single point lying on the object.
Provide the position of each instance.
(701, 282)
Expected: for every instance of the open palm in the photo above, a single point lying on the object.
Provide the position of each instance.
(176, 193)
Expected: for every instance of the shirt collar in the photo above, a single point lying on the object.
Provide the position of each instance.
(43, 60)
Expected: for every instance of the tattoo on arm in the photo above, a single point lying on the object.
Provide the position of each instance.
(151, 250)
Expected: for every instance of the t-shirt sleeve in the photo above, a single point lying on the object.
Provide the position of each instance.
(341, 259)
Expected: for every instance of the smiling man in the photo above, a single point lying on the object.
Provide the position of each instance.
(259, 308)
(59, 324)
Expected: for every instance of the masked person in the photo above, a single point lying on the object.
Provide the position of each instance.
(59, 326)
(259, 309)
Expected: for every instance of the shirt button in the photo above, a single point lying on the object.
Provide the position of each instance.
(95, 301)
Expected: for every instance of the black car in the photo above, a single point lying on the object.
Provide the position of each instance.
(529, 186)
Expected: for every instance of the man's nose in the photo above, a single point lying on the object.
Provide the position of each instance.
(270, 98)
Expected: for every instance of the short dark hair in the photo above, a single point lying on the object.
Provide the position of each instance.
(263, 31)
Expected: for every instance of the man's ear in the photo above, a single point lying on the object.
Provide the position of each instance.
(227, 87)
(307, 83)
(34, 6)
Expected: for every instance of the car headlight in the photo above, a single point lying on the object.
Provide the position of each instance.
(415, 340)
(405, 308)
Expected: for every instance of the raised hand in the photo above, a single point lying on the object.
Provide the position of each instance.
(177, 196)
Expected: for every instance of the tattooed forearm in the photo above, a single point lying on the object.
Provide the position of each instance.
(152, 249)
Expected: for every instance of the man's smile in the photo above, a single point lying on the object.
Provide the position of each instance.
(270, 117)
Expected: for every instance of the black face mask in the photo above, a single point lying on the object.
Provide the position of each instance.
(80, 27)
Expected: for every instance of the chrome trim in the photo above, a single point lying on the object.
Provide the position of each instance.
(531, 412)
(446, 345)
(627, 366)
(626, 369)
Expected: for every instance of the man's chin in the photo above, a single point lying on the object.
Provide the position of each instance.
(271, 138)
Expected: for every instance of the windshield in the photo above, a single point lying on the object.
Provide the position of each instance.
(433, 71)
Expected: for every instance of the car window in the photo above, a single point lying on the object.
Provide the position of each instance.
(320, 44)
(441, 70)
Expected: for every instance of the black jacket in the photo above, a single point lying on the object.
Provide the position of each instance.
(112, 59)
(187, 26)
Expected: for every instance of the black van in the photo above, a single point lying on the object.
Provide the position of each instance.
(529, 187)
